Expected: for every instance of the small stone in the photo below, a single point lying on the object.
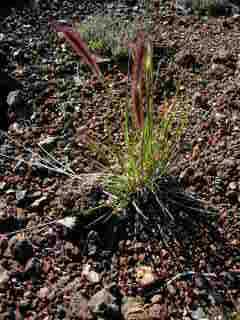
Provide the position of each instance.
(199, 100)
(12, 242)
(196, 99)
(139, 246)
(196, 152)
(213, 248)
(14, 98)
(171, 289)
(21, 168)
(211, 170)
(145, 276)
(232, 185)
(185, 59)
(2, 185)
(68, 222)
(199, 314)
(123, 261)
(36, 194)
(156, 298)
(229, 163)
(232, 196)
(93, 243)
(90, 275)
(78, 308)
(223, 56)
(69, 248)
(93, 277)
(219, 116)
(216, 297)
(21, 197)
(104, 303)
(158, 311)
(110, 6)
(2, 36)
(4, 277)
(133, 308)
(39, 202)
(16, 128)
(61, 313)
(23, 251)
(186, 175)
(200, 283)
(43, 293)
(217, 70)
(28, 294)
(3, 244)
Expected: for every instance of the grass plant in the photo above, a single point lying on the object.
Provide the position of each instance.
(149, 142)
(143, 200)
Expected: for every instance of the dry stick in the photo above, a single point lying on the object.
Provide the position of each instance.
(39, 164)
(139, 211)
(50, 166)
(164, 209)
(104, 217)
(48, 163)
(193, 197)
(198, 210)
(54, 169)
(44, 225)
(162, 236)
(38, 227)
(54, 159)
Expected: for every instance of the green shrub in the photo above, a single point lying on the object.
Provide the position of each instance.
(108, 35)
(208, 7)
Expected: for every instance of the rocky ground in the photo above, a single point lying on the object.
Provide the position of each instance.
(49, 272)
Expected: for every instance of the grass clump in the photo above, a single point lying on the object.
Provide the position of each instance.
(137, 181)
(149, 142)
(106, 35)
(151, 136)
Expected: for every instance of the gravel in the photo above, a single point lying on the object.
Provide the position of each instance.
(52, 272)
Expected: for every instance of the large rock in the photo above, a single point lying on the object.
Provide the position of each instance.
(22, 251)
